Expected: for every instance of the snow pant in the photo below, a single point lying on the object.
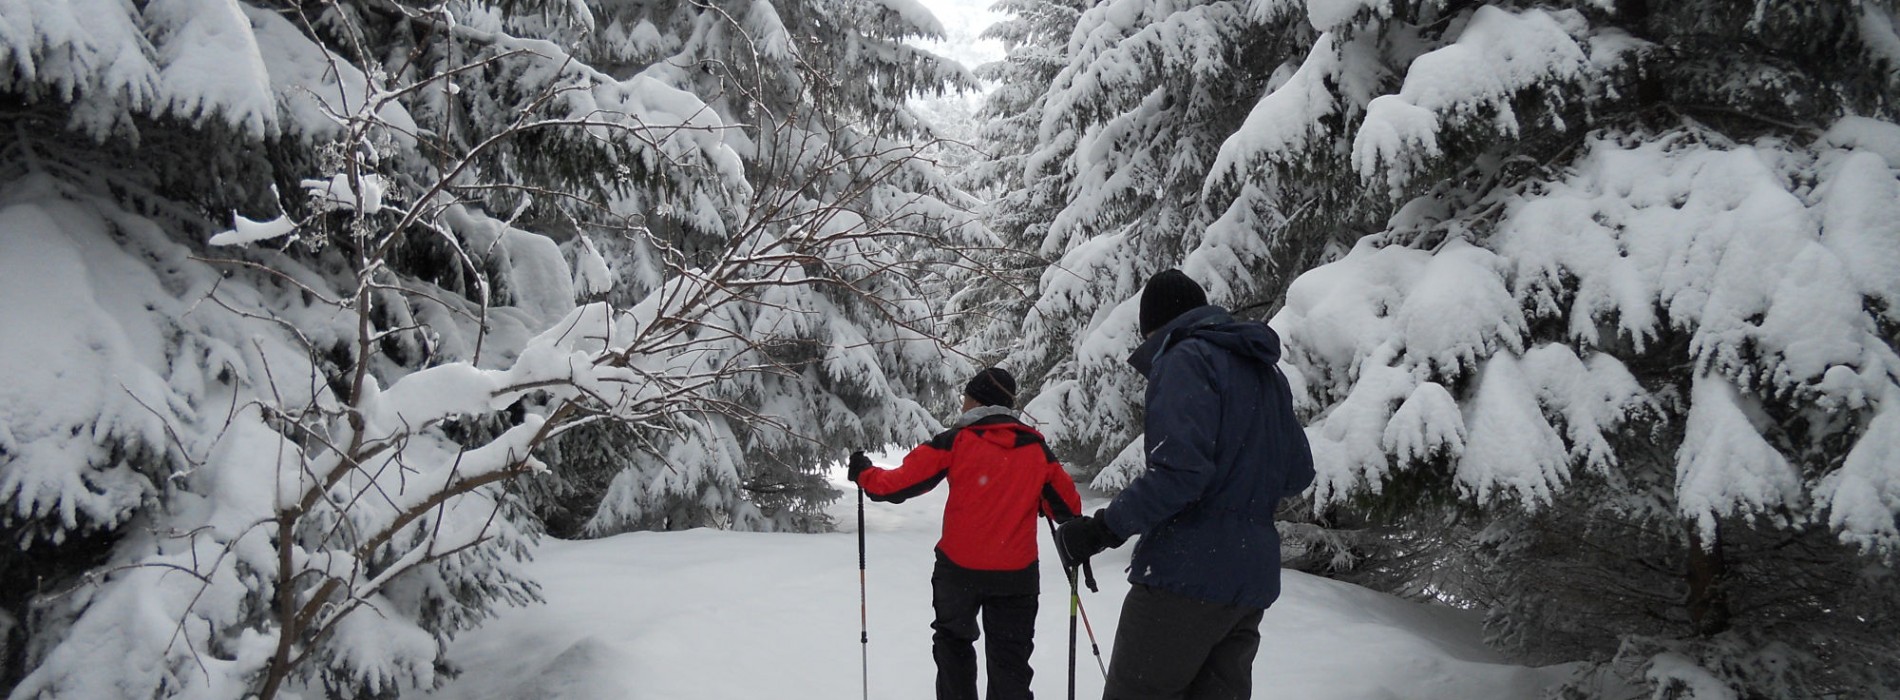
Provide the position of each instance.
(1009, 619)
(1172, 647)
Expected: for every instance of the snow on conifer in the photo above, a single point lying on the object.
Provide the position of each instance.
(329, 302)
(1590, 308)
(1683, 252)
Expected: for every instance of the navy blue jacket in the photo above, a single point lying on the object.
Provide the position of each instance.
(1223, 448)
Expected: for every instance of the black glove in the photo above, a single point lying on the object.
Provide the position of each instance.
(856, 465)
(1084, 537)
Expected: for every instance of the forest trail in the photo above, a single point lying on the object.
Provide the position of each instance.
(714, 615)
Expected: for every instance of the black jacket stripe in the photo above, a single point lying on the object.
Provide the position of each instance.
(1057, 509)
(918, 489)
(945, 440)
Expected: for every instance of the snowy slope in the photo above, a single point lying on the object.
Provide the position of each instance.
(711, 614)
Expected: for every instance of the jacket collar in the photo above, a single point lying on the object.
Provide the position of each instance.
(987, 414)
(1144, 356)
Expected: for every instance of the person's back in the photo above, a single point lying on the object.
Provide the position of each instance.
(1002, 476)
(1215, 402)
(999, 478)
(1223, 447)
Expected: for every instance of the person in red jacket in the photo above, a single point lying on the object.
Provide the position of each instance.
(1001, 476)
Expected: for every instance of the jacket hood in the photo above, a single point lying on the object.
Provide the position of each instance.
(986, 414)
(1249, 339)
(996, 424)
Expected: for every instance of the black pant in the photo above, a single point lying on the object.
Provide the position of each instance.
(1009, 618)
(1170, 646)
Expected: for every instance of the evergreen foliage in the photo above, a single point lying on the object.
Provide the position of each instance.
(1606, 343)
(830, 146)
(310, 285)
(991, 298)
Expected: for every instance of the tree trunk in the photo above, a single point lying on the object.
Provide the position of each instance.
(1708, 578)
(12, 650)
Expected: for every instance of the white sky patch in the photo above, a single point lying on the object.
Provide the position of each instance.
(963, 21)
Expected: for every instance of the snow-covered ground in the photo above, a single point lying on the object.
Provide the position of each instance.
(713, 615)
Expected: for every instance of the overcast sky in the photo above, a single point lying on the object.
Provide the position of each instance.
(962, 21)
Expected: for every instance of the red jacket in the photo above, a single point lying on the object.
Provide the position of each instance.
(1001, 474)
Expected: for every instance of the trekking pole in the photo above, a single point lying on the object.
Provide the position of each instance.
(1075, 603)
(864, 617)
(1088, 573)
(1075, 607)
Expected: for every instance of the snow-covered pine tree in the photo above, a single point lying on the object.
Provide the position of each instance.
(1628, 328)
(266, 483)
(1613, 309)
(1035, 38)
(833, 152)
(1112, 191)
(272, 461)
(1659, 383)
(990, 302)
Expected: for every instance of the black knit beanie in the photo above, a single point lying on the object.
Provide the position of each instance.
(992, 387)
(1169, 294)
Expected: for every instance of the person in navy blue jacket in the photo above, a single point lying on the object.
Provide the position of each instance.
(1223, 447)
